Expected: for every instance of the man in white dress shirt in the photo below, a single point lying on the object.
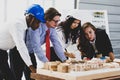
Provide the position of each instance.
(13, 34)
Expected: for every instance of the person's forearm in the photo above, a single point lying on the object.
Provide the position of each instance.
(33, 70)
(111, 55)
(40, 55)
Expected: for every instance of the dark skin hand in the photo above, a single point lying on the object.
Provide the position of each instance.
(33, 70)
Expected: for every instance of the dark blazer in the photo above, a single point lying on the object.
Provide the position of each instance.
(102, 43)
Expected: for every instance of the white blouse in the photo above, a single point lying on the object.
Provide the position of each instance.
(71, 48)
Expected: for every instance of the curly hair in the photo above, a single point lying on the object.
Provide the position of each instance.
(73, 33)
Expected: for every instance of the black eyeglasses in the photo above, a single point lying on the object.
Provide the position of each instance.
(56, 21)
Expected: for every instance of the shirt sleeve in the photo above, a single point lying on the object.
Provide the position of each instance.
(36, 45)
(57, 45)
(17, 33)
(28, 41)
(61, 38)
(107, 42)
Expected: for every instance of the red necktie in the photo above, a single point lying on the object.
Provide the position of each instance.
(48, 44)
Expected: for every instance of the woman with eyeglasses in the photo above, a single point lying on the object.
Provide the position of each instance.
(68, 33)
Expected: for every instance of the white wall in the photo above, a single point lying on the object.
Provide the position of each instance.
(10, 9)
(2, 10)
(113, 8)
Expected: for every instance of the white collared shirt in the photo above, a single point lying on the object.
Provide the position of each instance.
(94, 46)
(12, 34)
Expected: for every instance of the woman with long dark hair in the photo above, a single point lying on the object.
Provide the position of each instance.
(94, 42)
(68, 33)
(71, 29)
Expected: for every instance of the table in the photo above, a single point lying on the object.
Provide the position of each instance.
(99, 74)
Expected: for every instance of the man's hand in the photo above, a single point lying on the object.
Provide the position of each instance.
(33, 70)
